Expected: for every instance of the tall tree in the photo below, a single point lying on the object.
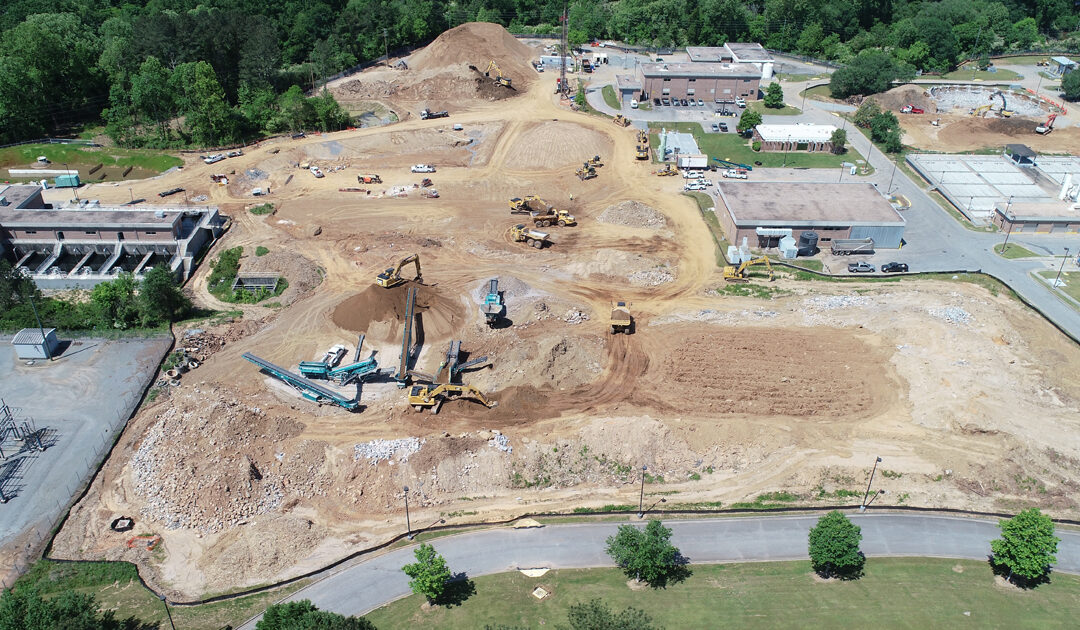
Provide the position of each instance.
(834, 546)
(151, 96)
(750, 118)
(1027, 546)
(429, 573)
(160, 299)
(774, 96)
(646, 555)
(1070, 85)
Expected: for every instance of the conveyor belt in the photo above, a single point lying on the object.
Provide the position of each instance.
(310, 389)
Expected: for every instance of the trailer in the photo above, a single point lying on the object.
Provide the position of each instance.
(848, 246)
(693, 161)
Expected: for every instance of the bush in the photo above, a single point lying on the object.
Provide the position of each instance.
(756, 146)
(1070, 85)
(224, 272)
(834, 547)
(261, 251)
(266, 208)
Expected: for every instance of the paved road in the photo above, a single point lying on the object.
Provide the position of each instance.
(372, 583)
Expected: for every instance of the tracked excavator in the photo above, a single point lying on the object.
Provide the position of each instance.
(500, 79)
(738, 274)
(1047, 126)
(431, 396)
(391, 277)
(1005, 111)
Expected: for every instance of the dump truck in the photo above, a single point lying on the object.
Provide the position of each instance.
(391, 277)
(523, 234)
(848, 246)
(552, 216)
(369, 179)
(427, 114)
(738, 274)
(620, 321)
(492, 306)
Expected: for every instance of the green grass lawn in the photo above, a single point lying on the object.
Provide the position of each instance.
(1021, 60)
(735, 148)
(966, 74)
(610, 98)
(894, 593)
(116, 587)
(818, 93)
(1070, 278)
(77, 156)
(786, 110)
(1014, 251)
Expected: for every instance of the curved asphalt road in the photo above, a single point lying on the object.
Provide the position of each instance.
(371, 583)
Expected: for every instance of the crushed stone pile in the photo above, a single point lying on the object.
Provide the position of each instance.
(632, 214)
(383, 450)
(501, 442)
(651, 277)
(953, 315)
(834, 302)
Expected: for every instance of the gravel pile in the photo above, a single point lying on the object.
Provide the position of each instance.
(632, 214)
(714, 317)
(651, 277)
(574, 316)
(380, 450)
(501, 442)
(953, 315)
(834, 302)
(256, 174)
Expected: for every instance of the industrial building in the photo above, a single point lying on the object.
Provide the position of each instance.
(712, 82)
(796, 137)
(734, 53)
(754, 211)
(18, 196)
(86, 244)
(627, 88)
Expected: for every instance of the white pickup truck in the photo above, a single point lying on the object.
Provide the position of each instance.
(735, 173)
(423, 168)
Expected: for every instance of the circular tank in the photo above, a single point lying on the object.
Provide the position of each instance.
(808, 243)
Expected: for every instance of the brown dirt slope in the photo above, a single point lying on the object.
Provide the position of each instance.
(476, 44)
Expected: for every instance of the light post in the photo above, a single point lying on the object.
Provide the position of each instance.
(894, 165)
(76, 189)
(641, 497)
(408, 524)
(1062, 268)
(1009, 231)
(843, 167)
(168, 613)
(862, 506)
(787, 147)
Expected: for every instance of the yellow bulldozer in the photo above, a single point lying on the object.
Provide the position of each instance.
(587, 171)
(391, 277)
(668, 171)
(431, 396)
(738, 274)
(499, 78)
(621, 120)
(596, 161)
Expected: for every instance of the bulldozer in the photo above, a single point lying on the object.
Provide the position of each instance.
(523, 234)
(667, 171)
(621, 321)
(596, 161)
(621, 120)
(738, 274)
(642, 152)
(642, 136)
(432, 396)
(587, 171)
(499, 78)
(391, 277)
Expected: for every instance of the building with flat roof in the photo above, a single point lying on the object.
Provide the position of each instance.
(796, 137)
(88, 244)
(1062, 65)
(713, 82)
(753, 210)
(734, 53)
(627, 87)
(1060, 217)
(18, 196)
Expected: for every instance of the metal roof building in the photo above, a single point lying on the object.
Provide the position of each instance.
(30, 344)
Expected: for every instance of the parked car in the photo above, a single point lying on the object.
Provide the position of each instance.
(894, 267)
(423, 168)
(740, 103)
(735, 173)
(723, 126)
(633, 103)
(692, 175)
(691, 102)
(458, 127)
(666, 102)
(213, 159)
(236, 153)
(860, 267)
(695, 184)
(700, 103)
(656, 102)
(715, 127)
(683, 102)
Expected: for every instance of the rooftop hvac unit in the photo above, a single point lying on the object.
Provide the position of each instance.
(159, 214)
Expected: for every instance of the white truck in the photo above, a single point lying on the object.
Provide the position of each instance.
(735, 173)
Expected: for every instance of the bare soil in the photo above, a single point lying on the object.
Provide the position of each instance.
(724, 398)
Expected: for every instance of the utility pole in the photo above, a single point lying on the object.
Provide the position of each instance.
(386, 46)
(976, 51)
(862, 506)
(1062, 268)
(1005, 245)
(564, 89)
(641, 497)
(408, 524)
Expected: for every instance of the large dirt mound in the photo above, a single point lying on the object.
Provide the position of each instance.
(380, 312)
(898, 97)
(476, 44)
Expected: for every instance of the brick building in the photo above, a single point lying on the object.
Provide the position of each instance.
(711, 82)
(797, 137)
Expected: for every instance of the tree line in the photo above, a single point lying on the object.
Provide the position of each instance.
(211, 72)
(120, 304)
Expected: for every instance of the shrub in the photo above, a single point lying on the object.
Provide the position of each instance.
(261, 251)
(756, 146)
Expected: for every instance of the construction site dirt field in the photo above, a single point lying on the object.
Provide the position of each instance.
(968, 397)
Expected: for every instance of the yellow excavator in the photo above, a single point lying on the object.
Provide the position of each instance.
(980, 110)
(392, 276)
(499, 78)
(738, 274)
(432, 396)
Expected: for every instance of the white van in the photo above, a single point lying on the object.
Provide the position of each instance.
(633, 103)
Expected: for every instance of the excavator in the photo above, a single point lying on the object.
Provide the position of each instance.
(642, 150)
(733, 274)
(1005, 111)
(499, 78)
(432, 396)
(392, 276)
(980, 110)
(1047, 126)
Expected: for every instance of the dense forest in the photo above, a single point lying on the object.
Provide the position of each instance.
(212, 72)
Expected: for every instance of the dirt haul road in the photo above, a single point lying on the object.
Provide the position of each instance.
(964, 394)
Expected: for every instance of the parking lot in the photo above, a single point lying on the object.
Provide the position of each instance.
(78, 403)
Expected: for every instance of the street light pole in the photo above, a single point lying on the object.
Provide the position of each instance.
(787, 147)
(641, 497)
(1062, 268)
(862, 506)
(895, 163)
(1009, 232)
(168, 613)
(408, 524)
